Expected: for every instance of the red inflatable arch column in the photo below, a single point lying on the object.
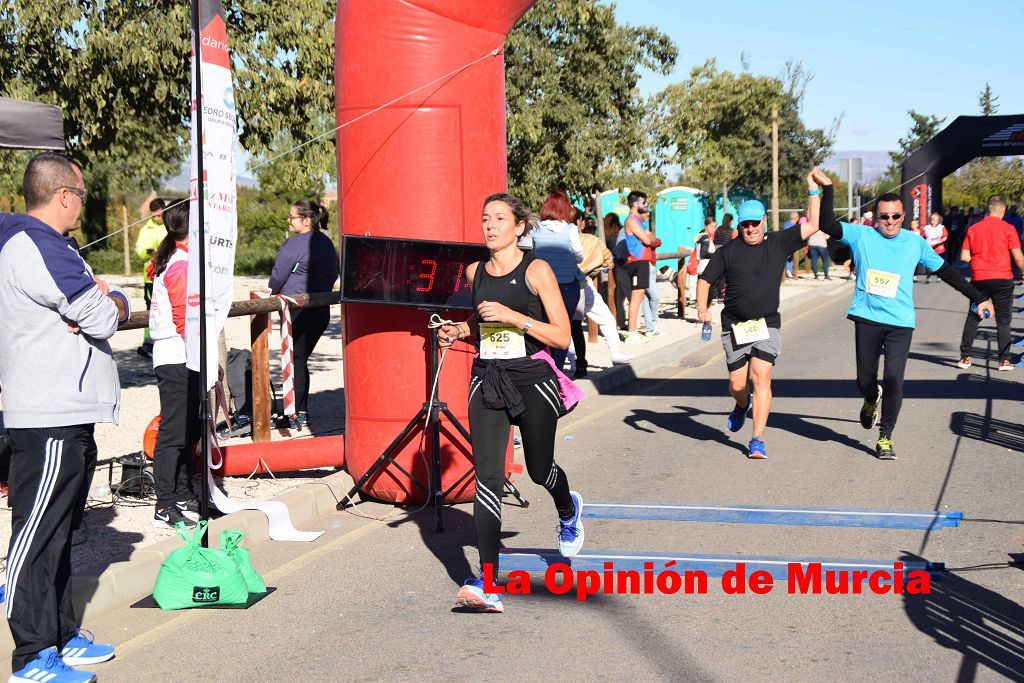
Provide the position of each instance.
(418, 168)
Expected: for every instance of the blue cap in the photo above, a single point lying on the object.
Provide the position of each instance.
(750, 210)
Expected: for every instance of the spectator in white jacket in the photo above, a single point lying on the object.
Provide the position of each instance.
(556, 240)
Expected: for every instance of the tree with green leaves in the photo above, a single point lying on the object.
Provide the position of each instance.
(977, 181)
(575, 116)
(716, 125)
(120, 70)
(283, 63)
(923, 129)
(987, 101)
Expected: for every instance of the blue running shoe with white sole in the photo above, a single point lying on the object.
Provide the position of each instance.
(755, 449)
(82, 649)
(570, 531)
(48, 667)
(737, 417)
(472, 595)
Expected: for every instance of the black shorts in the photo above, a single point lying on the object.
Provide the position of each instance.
(639, 273)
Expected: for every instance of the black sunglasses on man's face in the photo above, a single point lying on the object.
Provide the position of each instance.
(890, 216)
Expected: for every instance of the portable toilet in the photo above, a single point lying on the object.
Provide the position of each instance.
(679, 216)
(612, 201)
(737, 195)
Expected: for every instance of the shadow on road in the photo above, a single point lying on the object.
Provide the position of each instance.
(986, 628)
(684, 423)
(988, 429)
(449, 547)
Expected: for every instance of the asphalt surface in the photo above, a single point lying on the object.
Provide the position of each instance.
(375, 600)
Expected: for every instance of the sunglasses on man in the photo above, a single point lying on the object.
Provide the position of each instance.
(79, 192)
(890, 216)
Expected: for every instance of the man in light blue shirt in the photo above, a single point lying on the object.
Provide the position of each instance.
(883, 304)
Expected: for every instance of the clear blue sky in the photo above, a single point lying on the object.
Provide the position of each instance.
(872, 60)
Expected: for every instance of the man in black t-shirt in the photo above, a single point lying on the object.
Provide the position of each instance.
(753, 266)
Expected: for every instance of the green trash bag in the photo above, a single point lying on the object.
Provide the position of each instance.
(194, 576)
(229, 543)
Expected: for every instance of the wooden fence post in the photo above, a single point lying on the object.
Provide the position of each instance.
(259, 332)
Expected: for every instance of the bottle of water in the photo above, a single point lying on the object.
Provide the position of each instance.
(984, 314)
(705, 332)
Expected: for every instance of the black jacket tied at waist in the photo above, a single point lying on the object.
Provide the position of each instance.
(500, 381)
(498, 391)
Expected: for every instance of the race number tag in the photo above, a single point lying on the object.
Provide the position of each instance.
(750, 331)
(499, 341)
(882, 283)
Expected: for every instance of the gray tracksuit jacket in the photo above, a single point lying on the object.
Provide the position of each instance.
(49, 376)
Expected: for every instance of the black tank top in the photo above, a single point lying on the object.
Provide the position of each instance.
(513, 291)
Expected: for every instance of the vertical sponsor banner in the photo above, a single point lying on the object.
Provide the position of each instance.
(922, 204)
(216, 104)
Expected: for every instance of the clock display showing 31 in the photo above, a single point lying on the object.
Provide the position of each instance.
(406, 272)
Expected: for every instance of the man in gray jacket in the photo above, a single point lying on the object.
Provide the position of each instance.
(59, 379)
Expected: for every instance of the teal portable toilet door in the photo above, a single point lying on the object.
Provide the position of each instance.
(678, 217)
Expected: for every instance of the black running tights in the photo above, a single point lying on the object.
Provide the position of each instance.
(872, 341)
(490, 431)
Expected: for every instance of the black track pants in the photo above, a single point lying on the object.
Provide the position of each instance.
(872, 341)
(1001, 293)
(490, 431)
(180, 401)
(308, 325)
(47, 471)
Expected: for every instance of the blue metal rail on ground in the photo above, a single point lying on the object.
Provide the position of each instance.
(754, 514)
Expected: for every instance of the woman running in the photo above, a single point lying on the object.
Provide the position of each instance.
(519, 312)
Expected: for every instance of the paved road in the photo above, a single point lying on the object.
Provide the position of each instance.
(373, 600)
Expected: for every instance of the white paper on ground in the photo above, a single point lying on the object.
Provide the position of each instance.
(281, 527)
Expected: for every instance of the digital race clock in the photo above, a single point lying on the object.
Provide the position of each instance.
(406, 272)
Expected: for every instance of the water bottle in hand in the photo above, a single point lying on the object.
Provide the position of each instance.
(984, 314)
(705, 332)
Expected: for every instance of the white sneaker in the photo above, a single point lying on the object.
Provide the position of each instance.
(653, 333)
(621, 359)
(472, 595)
(635, 338)
(570, 532)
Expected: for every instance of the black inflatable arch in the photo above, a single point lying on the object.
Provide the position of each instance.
(966, 138)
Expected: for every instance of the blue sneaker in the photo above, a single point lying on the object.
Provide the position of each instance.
(83, 650)
(472, 595)
(570, 532)
(755, 449)
(48, 667)
(737, 417)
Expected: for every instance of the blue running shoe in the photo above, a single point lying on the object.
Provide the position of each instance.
(82, 649)
(737, 417)
(755, 449)
(570, 531)
(472, 595)
(48, 667)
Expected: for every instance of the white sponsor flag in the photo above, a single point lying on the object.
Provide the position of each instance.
(217, 190)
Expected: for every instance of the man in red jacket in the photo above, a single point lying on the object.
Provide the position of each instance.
(988, 247)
